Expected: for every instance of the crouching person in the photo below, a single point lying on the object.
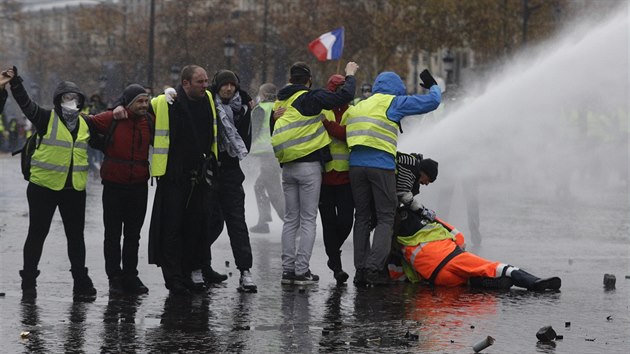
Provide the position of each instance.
(433, 251)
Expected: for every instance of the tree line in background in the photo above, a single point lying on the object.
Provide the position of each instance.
(105, 41)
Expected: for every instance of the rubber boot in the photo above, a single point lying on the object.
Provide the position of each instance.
(500, 283)
(83, 285)
(525, 280)
(29, 283)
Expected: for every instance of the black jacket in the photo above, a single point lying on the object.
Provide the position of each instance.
(190, 124)
(3, 99)
(38, 115)
(312, 103)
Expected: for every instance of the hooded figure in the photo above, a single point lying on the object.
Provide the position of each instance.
(69, 101)
(372, 136)
(58, 177)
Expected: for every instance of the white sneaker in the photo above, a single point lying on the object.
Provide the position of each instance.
(246, 283)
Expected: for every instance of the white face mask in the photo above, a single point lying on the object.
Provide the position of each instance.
(70, 105)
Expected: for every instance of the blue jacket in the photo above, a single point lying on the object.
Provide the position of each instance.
(403, 105)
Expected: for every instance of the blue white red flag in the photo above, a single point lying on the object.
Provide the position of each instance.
(328, 46)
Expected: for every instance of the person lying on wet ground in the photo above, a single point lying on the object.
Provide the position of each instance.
(432, 251)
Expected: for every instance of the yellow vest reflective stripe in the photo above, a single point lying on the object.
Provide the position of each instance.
(430, 232)
(368, 125)
(294, 135)
(51, 162)
(338, 149)
(262, 143)
(161, 140)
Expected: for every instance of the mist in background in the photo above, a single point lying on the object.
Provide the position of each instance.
(552, 124)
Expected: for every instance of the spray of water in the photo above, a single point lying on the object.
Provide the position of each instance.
(554, 119)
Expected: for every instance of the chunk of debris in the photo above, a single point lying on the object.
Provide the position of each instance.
(483, 344)
(227, 263)
(25, 334)
(559, 337)
(609, 318)
(609, 281)
(589, 339)
(546, 334)
(567, 324)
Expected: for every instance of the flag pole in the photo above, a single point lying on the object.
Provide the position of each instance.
(338, 65)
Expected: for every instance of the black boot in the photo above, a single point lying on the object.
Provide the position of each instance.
(133, 285)
(500, 283)
(29, 283)
(116, 286)
(525, 280)
(211, 276)
(83, 285)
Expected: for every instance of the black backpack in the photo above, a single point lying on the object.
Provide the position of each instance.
(26, 153)
(100, 141)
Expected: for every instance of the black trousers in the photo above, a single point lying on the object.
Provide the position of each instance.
(336, 208)
(183, 218)
(230, 209)
(42, 203)
(124, 208)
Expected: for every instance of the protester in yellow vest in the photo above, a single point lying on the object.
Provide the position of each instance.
(58, 178)
(300, 144)
(336, 206)
(267, 186)
(434, 251)
(184, 162)
(372, 135)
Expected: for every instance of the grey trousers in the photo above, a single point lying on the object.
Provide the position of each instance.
(301, 183)
(373, 188)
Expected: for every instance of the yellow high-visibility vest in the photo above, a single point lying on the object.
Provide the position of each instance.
(161, 140)
(338, 149)
(294, 135)
(50, 163)
(262, 142)
(367, 124)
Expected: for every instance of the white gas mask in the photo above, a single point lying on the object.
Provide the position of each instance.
(70, 101)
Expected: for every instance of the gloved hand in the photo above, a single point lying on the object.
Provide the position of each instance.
(427, 79)
(170, 95)
(405, 197)
(428, 214)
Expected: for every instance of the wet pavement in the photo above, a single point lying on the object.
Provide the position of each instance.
(578, 237)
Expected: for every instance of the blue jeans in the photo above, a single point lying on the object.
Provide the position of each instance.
(301, 183)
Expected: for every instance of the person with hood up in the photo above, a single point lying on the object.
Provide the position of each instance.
(300, 143)
(336, 206)
(372, 135)
(58, 177)
(124, 174)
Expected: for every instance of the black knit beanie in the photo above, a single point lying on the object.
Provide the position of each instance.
(132, 93)
(429, 167)
(300, 70)
(224, 77)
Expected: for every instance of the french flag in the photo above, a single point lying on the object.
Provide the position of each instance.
(328, 46)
